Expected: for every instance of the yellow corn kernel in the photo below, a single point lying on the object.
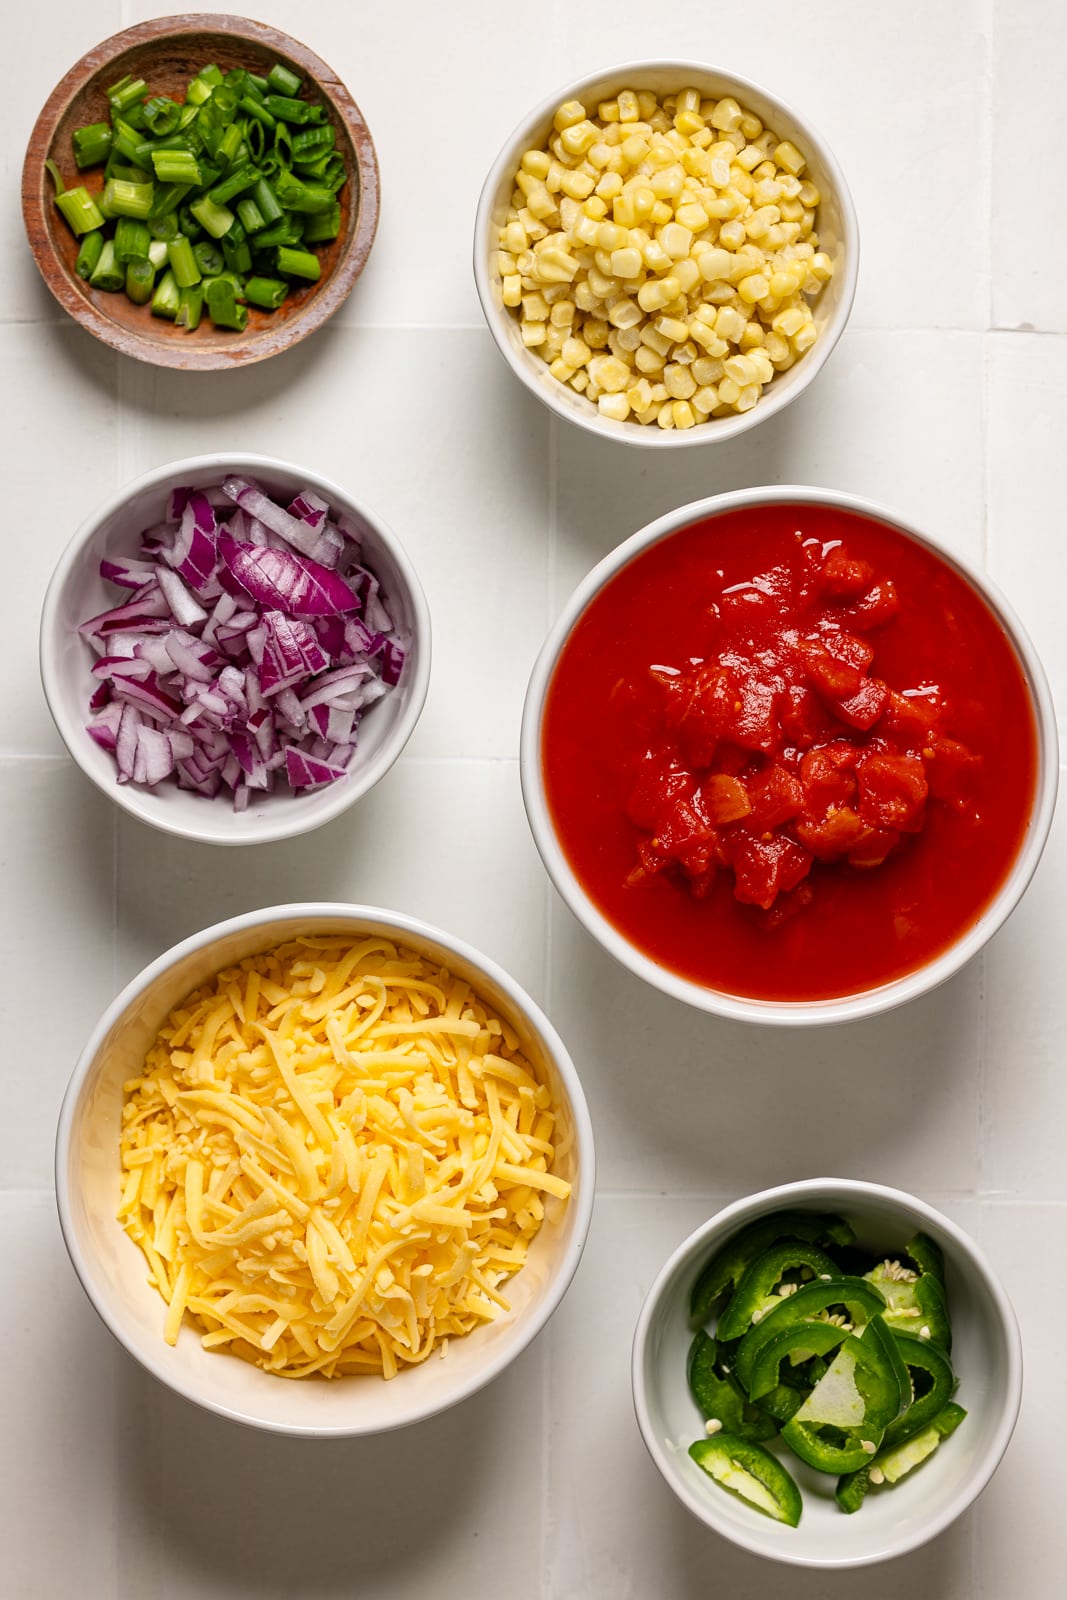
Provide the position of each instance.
(535, 308)
(533, 333)
(578, 139)
(556, 174)
(767, 192)
(676, 240)
(675, 331)
(679, 381)
(622, 209)
(608, 111)
(634, 149)
(647, 103)
(763, 365)
(687, 275)
(580, 380)
(624, 313)
(511, 290)
(584, 298)
(656, 258)
(609, 236)
(732, 235)
(616, 406)
(742, 184)
(684, 415)
(753, 336)
(807, 222)
(686, 353)
(688, 123)
(804, 338)
(705, 399)
(601, 157)
(728, 392)
(661, 213)
(596, 208)
(595, 332)
(740, 369)
(505, 263)
(577, 185)
(715, 264)
(659, 393)
(640, 396)
(702, 335)
(653, 296)
(536, 163)
(789, 322)
(562, 314)
(730, 324)
(766, 169)
(688, 100)
(666, 415)
(753, 288)
(821, 265)
(692, 216)
(514, 238)
(540, 203)
(747, 397)
(808, 195)
(629, 109)
(706, 371)
(646, 360)
(776, 347)
(791, 210)
(555, 265)
(534, 229)
(610, 374)
(584, 231)
(601, 284)
(788, 156)
(750, 125)
(627, 263)
(609, 186)
(629, 339)
(781, 284)
(560, 370)
(575, 352)
(651, 336)
(569, 114)
(727, 114)
(749, 157)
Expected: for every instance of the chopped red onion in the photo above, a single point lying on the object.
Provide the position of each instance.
(253, 641)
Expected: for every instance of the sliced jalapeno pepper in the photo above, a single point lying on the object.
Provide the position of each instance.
(915, 1302)
(726, 1266)
(750, 1471)
(759, 1278)
(721, 1398)
(920, 1356)
(890, 1465)
(812, 1338)
(879, 1332)
(841, 1423)
(861, 1299)
(927, 1256)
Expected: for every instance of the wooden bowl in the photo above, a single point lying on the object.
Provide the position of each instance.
(167, 52)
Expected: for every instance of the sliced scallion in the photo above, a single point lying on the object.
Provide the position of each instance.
(167, 298)
(298, 263)
(89, 251)
(92, 144)
(108, 275)
(140, 281)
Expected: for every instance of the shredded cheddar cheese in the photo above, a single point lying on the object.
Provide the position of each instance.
(334, 1156)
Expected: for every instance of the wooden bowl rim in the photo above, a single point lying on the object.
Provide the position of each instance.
(266, 341)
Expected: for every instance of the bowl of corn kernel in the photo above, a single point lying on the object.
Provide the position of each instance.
(665, 253)
(324, 1170)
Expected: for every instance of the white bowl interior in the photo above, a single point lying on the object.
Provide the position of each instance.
(837, 229)
(986, 1357)
(113, 1270)
(788, 1013)
(78, 592)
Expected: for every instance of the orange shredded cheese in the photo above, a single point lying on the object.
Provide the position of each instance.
(334, 1156)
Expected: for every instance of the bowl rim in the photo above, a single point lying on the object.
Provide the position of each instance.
(187, 356)
(789, 1013)
(132, 798)
(724, 427)
(839, 1191)
(404, 926)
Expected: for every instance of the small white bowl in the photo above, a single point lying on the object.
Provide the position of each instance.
(112, 1269)
(836, 225)
(789, 1013)
(986, 1357)
(78, 592)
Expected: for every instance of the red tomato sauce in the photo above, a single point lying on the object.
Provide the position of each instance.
(737, 664)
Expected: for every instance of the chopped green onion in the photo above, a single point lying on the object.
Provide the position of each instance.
(235, 250)
(312, 142)
(255, 109)
(157, 253)
(132, 240)
(208, 258)
(167, 298)
(89, 251)
(250, 216)
(262, 84)
(203, 85)
(284, 82)
(108, 275)
(140, 281)
(92, 144)
(182, 262)
(267, 293)
(188, 224)
(235, 184)
(189, 308)
(255, 140)
(231, 145)
(295, 195)
(176, 166)
(222, 306)
(125, 94)
(123, 199)
(297, 112)
(80, 211)
(299, 264)
(267, 201)
(168, 197)
(289, 230)
(161, 115)
(126, 142)
(216, 220)
(324, 227)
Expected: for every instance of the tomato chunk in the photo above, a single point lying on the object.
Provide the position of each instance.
(892, 791)
(765, 867)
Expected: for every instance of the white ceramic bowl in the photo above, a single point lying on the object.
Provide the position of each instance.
(77, 592)
(790, 1013)
(112, 1268)
(986, 1357)
(836, 226)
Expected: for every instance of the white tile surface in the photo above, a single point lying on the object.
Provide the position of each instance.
(935, 403)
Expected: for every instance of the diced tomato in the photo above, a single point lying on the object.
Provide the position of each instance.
(892, 791)
(842, 576)
(840, 831)
(754, 716)
(724, 799)
(661, 781)
(827, 777)
(785, 907)
(862, 709)
(880, 604)
(700, 708)
(805, 720)
(763, 868)
(872, 851)
(834, 679)
(951, 770)
(775, 795)
(910, 718)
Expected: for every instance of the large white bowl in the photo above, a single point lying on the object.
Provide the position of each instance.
(78, 592)
(986, 1357)
(112, 1269)
(837, 228)
(787, 1012)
